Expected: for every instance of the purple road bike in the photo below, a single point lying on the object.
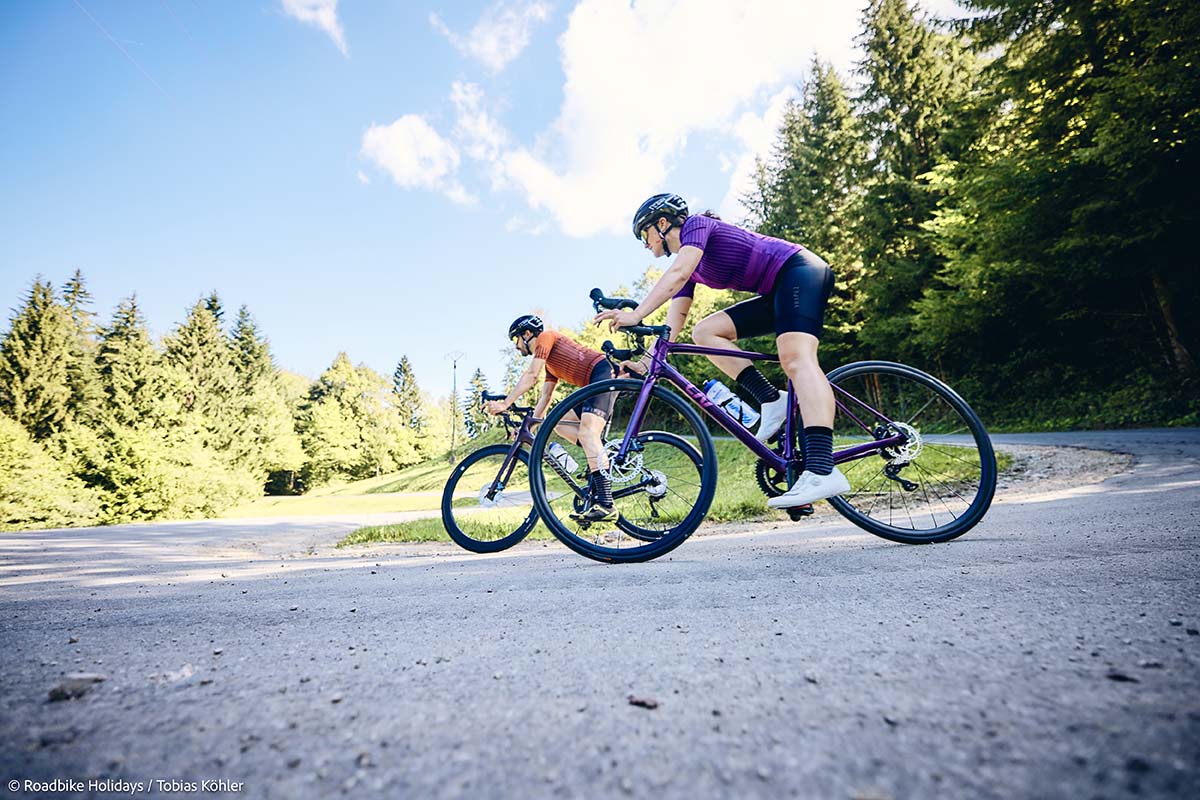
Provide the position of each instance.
(920, 464)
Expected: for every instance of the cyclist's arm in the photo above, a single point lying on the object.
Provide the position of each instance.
(539, 411)
(677, 315)
(524, 383)
(671, 281)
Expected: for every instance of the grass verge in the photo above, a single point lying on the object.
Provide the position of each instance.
(738, 499)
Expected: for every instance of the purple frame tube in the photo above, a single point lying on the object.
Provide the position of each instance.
(659, 368)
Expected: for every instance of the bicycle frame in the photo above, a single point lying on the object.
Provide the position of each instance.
(524, 436)
(660, 369)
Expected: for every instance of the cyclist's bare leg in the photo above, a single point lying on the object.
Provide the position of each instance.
(568, 428)
(717, 331)
(591, 431)
(798, 357)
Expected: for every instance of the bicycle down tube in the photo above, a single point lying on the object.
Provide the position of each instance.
(660, 368)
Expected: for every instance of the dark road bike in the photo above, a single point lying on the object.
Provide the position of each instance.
(487, 503)
(920, 464)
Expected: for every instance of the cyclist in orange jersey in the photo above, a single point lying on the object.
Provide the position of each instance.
(562, 359)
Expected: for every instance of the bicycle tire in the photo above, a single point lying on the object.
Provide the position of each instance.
(663, 543)
(878, 376)
(460, 529)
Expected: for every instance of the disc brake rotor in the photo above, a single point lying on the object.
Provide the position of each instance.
(904, 453)
(490, 502)
(629, 469)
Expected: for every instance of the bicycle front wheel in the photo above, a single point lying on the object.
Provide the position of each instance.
(933, 487)
(487, 505)
(662, 488)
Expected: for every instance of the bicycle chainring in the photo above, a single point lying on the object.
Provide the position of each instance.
(771, 481)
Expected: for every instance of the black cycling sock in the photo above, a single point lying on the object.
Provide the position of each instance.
(602, 488)
(818, 450)
(757, 386)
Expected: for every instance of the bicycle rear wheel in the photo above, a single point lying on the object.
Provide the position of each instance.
(935, 486)
(662, 489)
(485, 507)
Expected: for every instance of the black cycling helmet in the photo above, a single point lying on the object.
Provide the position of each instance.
(526, 322)
(660, 205)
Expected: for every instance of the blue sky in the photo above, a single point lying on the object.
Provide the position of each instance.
(379, 178)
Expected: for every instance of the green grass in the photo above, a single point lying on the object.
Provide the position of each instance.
(429, 475)
(425, 530)
(383, 494)
(738, 498)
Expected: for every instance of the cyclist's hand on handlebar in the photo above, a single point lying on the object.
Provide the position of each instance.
(634, 369)
(617, 319)
(495, 407)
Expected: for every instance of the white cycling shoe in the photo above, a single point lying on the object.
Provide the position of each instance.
(810, 487)
(772, 417)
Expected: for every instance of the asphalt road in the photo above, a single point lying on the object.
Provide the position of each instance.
(1051, 652)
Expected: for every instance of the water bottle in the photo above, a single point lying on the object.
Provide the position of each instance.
(719, 393)
(560, 454)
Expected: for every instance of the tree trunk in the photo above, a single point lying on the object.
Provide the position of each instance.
(1183, 358)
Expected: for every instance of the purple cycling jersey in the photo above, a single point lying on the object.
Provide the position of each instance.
(733, 258)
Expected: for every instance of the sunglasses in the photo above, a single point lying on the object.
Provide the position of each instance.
(646, 235)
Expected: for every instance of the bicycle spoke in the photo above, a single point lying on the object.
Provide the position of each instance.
(660, 490)
(946, 455)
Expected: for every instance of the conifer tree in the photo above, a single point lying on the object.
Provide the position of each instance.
(251, 351)
(267, 440)
(349, 428)
(82, 375)
(35, 359)
(406, 395)
(914, 78)
(214, 306)
(36, 491)
(810, 193)
(126, 363)
(475, 419)
(203, 359)
(1070, 233)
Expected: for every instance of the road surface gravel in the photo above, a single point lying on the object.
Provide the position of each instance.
(1050, 652)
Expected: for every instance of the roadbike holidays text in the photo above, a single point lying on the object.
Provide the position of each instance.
(121, 786)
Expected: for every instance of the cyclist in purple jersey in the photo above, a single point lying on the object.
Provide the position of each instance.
(793, 287)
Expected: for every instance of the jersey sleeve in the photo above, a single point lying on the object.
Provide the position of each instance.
(696, 230)
(688, 290)
(543, 344)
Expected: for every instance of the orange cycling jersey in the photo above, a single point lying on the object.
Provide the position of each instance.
(565, 360)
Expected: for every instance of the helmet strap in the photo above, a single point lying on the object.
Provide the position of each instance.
(663, 234)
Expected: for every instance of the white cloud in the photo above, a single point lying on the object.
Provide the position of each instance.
(757, 134)
(641, 79)
(481, 135)
(362, 178)
(521, 225)
(501, 33)
(416, 156)
(321, 13)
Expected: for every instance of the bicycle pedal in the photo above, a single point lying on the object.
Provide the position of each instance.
(800, 512)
